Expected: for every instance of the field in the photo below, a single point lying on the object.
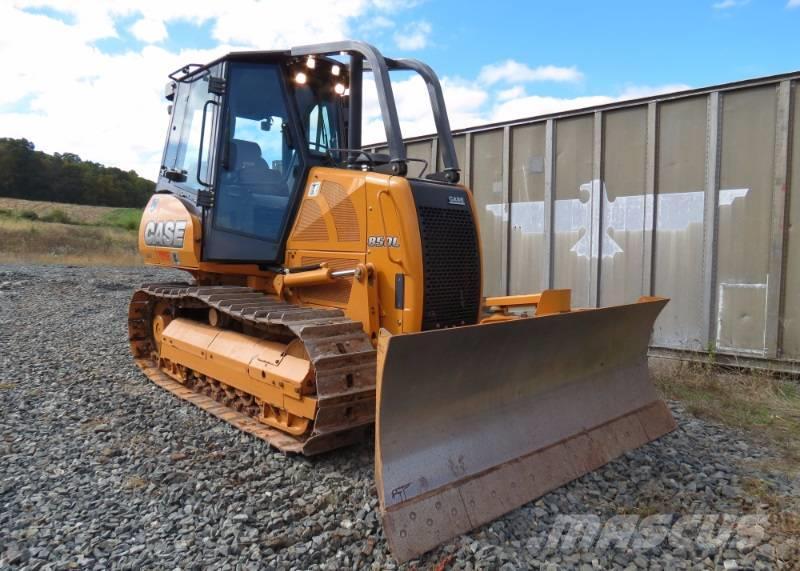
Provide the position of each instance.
(48, 232)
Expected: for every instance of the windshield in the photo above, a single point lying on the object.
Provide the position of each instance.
(320, 108)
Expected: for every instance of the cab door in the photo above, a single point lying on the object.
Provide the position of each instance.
(258, 170)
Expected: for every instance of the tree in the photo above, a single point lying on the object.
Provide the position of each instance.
(65, 177)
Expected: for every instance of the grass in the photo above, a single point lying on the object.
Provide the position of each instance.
(58, 216)
(34, 241)
(127, 218)
(46, 232)
(766, 406)
(76, 214)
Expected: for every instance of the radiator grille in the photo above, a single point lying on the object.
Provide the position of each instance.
(451, 264)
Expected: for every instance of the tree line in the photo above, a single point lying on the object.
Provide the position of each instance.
(64, 177)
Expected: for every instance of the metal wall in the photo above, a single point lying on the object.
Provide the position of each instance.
(686, 195)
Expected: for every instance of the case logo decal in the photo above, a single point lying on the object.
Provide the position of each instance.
(166, 233)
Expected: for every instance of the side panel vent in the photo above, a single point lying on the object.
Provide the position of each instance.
(310, 225)
(344, 213)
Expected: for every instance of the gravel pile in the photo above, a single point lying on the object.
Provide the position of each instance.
(99, 469)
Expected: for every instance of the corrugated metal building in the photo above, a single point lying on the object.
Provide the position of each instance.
(687, 195)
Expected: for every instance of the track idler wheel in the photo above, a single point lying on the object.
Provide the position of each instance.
(162, 314)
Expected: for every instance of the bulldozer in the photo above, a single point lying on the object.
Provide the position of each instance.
(333, 296)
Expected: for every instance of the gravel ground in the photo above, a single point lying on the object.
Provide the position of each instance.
(100, 469)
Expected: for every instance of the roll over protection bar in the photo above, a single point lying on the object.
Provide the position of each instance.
(380, 66)
(440, 119)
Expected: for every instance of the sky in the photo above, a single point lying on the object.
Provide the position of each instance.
(87, 77)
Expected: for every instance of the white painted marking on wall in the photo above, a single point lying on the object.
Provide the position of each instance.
(676, 212)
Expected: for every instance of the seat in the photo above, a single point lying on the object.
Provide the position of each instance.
(251, 169)
(253, 197)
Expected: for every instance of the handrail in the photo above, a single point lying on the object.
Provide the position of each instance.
(449, 158)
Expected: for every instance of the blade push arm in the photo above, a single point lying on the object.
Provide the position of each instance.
(548, 302)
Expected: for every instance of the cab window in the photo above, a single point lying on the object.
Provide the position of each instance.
(268, 134)
(182, 152)
(258, 174)
(321, 134)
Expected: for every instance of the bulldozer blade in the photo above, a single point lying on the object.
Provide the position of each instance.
(473, 422)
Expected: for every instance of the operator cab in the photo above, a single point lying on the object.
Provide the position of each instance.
(239, 114)
(245, 130)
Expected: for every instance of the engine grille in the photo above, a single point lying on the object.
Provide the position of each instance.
(451, 259)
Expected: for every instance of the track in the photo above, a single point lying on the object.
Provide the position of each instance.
(341, 354)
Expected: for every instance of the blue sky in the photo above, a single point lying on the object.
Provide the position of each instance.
(620, 43)
(93, 84)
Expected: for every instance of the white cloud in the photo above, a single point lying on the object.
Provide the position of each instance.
(414, 36)
(250, 23)
(91, 20)
(511, 71)
(109, 108)
(511, 93)
(380, 22)
(793, 4)
(271, 25)
(533, 105)
(471, 103)
(727, 4)
(150, 31)
(465, 104)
